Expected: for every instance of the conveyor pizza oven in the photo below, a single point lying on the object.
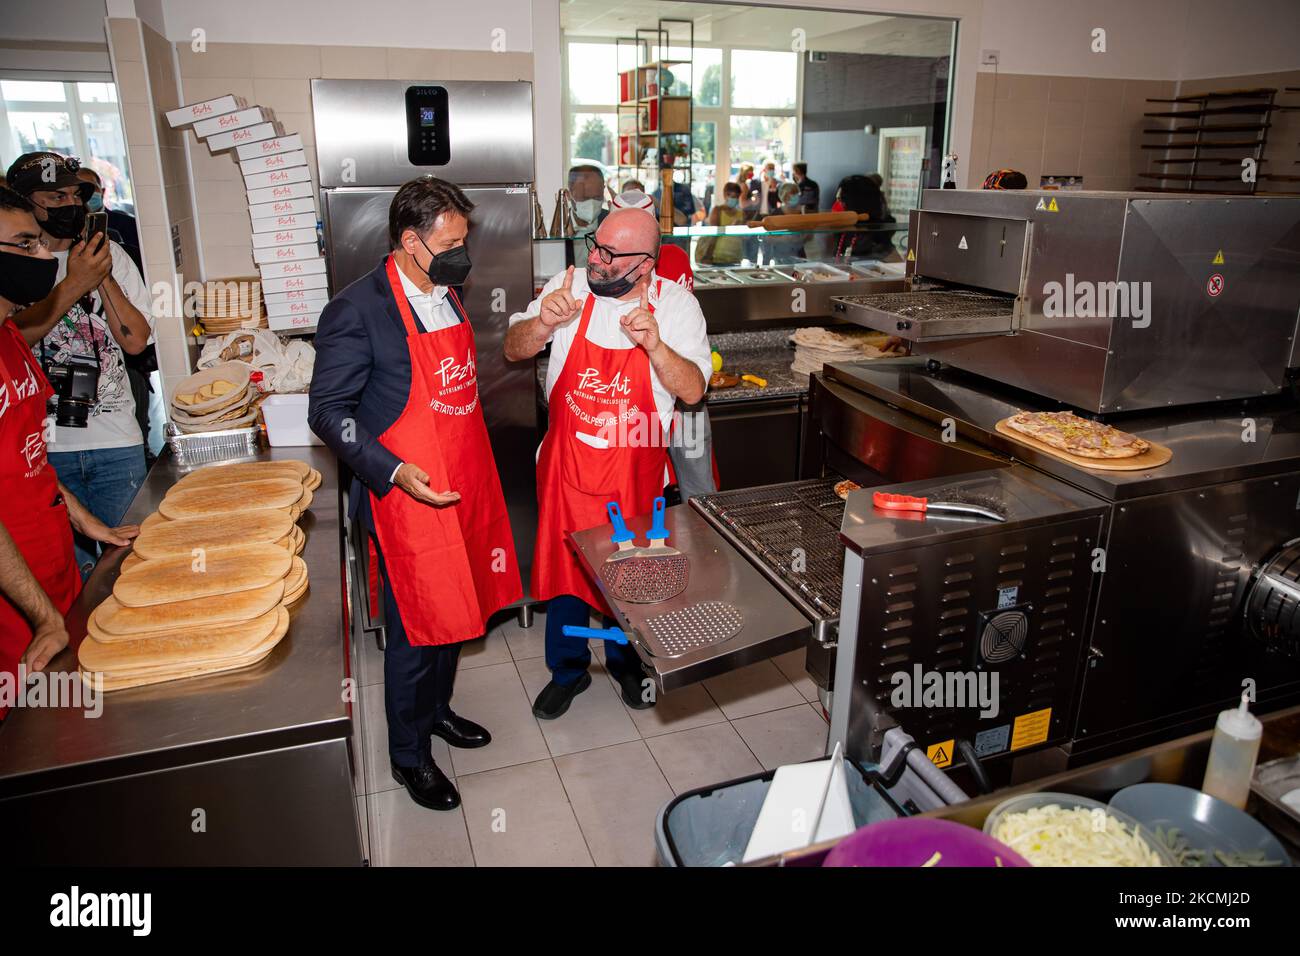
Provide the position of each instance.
(1105, 301)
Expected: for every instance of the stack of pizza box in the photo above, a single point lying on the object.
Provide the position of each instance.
(281, 204)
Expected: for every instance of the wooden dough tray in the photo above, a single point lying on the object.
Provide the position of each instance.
(1153, 457)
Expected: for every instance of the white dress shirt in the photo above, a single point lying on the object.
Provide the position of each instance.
(433, 310)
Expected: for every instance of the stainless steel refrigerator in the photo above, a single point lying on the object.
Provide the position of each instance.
(374, 135)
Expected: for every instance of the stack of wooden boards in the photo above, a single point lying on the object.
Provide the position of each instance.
(215, 399)
(231, 304)
(814, 347)
(211, 580)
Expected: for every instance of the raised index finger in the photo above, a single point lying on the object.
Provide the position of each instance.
(567, 284)
(645, 297)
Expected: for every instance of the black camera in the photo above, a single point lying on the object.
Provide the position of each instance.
(76, 389)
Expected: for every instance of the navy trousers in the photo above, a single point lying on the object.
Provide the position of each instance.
(569, 657)
(417, 686)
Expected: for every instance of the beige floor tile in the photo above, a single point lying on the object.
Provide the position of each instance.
(616, 793)
(755, 689)
(596, 718)
(492, 696)
(520, 816)
(792, 666)
(407, 834)
(526, 642)
(681, 709)
(702, 756)
(785, 736)
(489, 649)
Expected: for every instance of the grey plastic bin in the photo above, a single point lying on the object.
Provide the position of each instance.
(711, 826)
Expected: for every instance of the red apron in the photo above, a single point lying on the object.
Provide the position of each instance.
(597, 389)
(28, 491)
(450, 568)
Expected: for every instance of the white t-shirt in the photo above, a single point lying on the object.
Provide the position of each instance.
(681, 328)
(111, 423)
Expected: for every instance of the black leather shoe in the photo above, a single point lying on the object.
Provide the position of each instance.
(462, 733)
(555, 699)
(632, 684)
(428, 786)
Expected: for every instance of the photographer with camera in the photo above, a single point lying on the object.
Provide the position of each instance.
(38, 569)
(80, 334)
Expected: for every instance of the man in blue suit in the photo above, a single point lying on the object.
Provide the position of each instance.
(395, 395)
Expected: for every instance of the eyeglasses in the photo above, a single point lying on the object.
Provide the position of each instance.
(29, 246)
(608, 255)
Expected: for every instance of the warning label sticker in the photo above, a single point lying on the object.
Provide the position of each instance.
(1214, 286)
(911, 256)
(992, 741)
(962, 244)
(1218, 258)
(1046, 206)
(941, 754)
(1031, 728)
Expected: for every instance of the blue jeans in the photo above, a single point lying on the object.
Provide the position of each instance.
(105, 480)
(569, 657)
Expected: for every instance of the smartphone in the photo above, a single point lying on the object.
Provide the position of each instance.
(96, 225)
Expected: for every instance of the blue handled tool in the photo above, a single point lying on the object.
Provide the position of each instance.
(658, 534)
(622, 537)
(603, 633)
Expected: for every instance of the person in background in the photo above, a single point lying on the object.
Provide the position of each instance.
(788, 246)
(723, 250)
(765, 189)
(81, 334)
(587, 187)
(748, 191)
(625, 345)
(879, 180)
(395, 396)
(685, 204)
(633, 185)
(38, 567)
(141, 365)
(860, 194)
(810, 194)
(1006, 179)
(121, 225)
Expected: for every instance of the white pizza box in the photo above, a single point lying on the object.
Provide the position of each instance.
(308, 250)
(231, 121)
(276, 193)
(284, 237)
(266, 164)
(303, 220)
(302, 295)
(267, 147)
(285, 207)
(242, 137)
(316, 280)
(304, 307)
(194, 112)
(294, 323)
(279, 177)
(285, 270)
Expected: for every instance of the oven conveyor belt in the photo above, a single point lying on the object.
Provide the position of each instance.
(792, 531)
(936, 306)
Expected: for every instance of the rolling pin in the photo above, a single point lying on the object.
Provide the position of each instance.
(816, 220)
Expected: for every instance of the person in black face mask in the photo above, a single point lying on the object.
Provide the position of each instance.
(394, 394)
(38, 570)
(97, 446)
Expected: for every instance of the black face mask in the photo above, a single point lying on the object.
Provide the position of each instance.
(65, 222)
(450, 267)
(26, 279)
(613, 288)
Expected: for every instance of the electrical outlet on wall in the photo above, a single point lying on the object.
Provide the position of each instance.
(989, 57)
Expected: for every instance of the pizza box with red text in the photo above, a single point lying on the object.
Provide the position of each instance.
(219, 106)
(237, 137)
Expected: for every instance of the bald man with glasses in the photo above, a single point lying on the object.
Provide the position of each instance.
(625, 345)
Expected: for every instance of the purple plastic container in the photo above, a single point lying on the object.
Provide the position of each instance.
(911, 841)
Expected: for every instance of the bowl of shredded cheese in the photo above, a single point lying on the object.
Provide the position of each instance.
(1060, 829)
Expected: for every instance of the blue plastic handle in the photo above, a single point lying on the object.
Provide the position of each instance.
(620, 529)
(658, 531)
(605, 634)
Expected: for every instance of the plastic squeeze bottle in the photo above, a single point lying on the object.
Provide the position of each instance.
(1232, 755)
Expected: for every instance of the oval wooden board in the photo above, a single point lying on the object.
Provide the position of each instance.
(1153, 457)
(197, 502)
(245, 471)
(224, 571)
(184, 534)
(113, 621)
(180, 647)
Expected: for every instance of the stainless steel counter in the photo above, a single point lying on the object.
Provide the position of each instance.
(268, 744)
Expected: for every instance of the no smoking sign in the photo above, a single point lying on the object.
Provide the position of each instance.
(1214, 286)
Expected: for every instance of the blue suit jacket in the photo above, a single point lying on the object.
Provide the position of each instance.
(360, 384)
